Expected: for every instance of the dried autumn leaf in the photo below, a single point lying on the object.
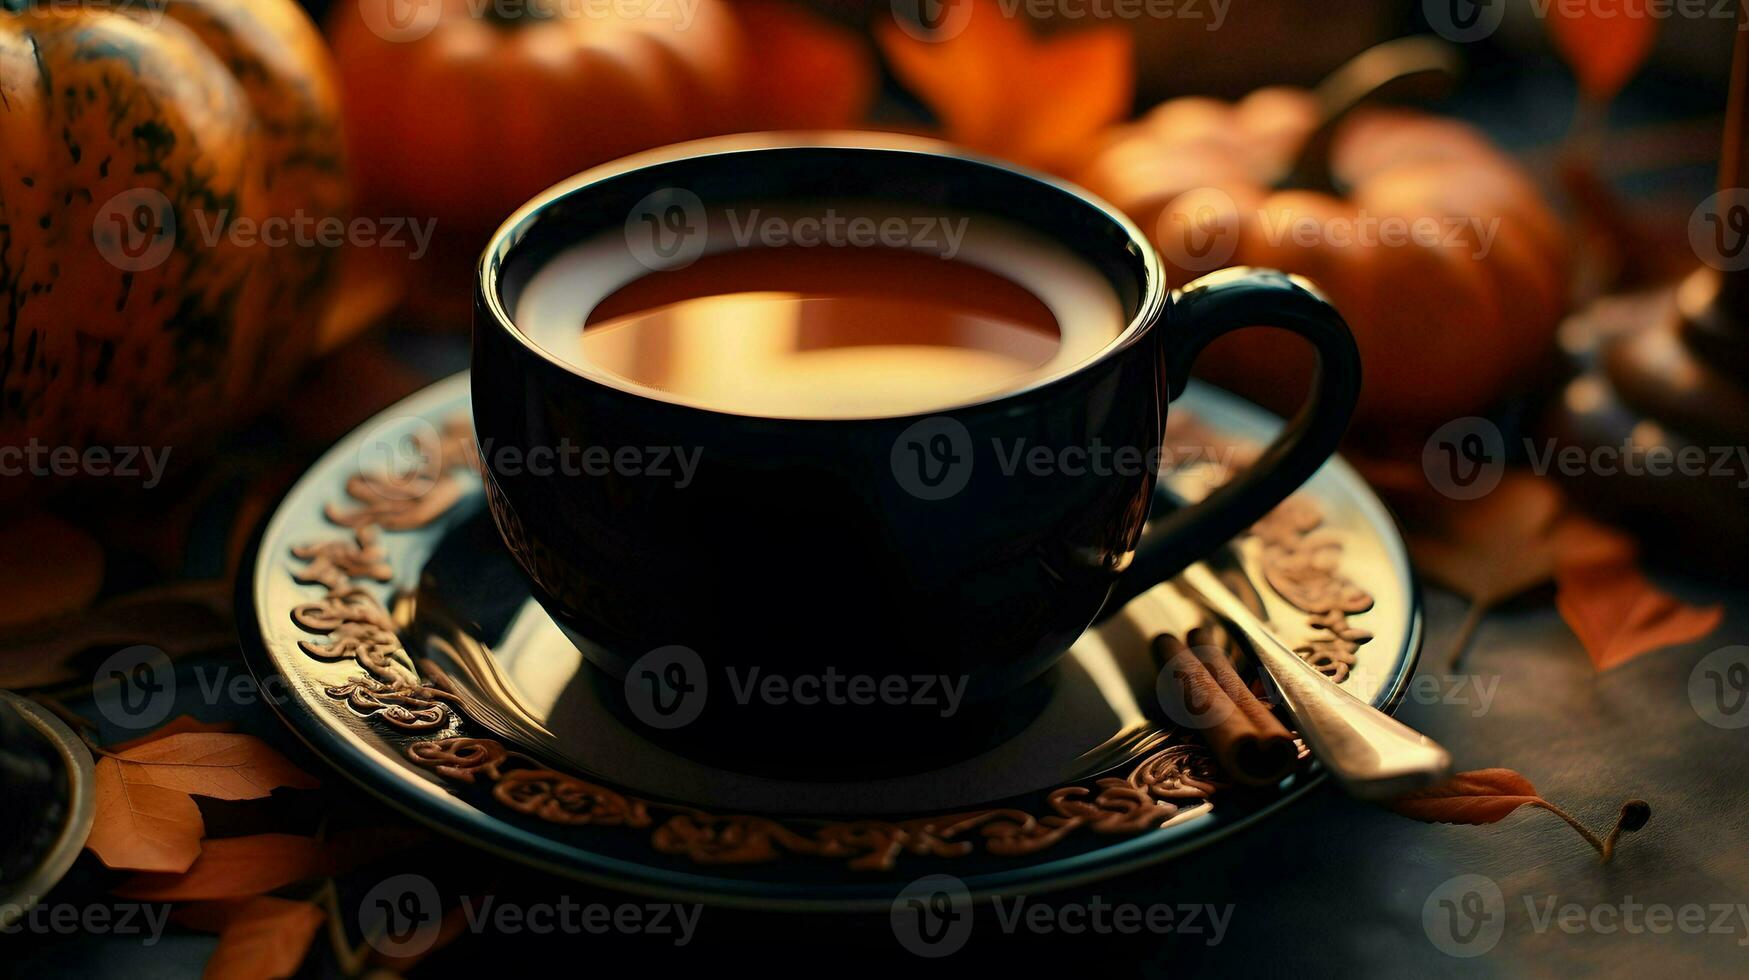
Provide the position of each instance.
(1581, 543)
(1495, 547)
(997, 89)
(1618, 614)
(1485, 796)
(258, 937)
(1478, 797)
(1614, 610)
(178, 725)
(961, 78)
(1603, 44)
(1489, 549)
(234, 867)
(146, 817)
(143, 827)
(213, 764)
(812, 74)
(1083, 84)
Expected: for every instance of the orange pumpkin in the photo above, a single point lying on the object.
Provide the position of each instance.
(133, 140)
(802, 71)
(1437, 248)
(462, 118)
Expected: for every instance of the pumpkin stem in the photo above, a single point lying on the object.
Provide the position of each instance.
(1419, 67)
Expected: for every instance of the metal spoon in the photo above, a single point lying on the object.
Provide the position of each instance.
(1373, 755)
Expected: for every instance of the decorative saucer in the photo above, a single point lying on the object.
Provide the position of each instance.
(410, 654)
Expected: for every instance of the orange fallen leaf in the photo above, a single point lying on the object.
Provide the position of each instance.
(1477, 797)
(177, 725)
(143, 827)
(146, 817)
(1495, 547)
(1582, 543)
(258, 937)
(213, 764)
(1080, 83)
(1490, 549)
(1618, 614)
(809, 73)
(1485, 796)
(962, 77)
(1604, 45)
(1614, 610)
(234, 867)
(1523, 534)
(996, 89)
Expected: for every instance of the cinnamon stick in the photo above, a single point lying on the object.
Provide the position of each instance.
(1251, 744)
(1210, 647)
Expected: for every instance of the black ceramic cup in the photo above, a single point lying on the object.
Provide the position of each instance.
(823, 573)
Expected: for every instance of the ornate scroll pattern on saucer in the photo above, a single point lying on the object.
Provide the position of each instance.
(1156, 790)
(1175, 781)
(1301, 559)
(355, 623)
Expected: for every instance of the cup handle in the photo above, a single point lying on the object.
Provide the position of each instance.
(1220, 303)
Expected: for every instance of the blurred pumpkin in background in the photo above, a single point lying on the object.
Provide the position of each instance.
(462, 118)
(461, 110)
(135, 142)
(1436, 247)
(802, 71)
(1188, 45)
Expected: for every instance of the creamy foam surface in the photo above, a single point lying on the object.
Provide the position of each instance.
(827, 330)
